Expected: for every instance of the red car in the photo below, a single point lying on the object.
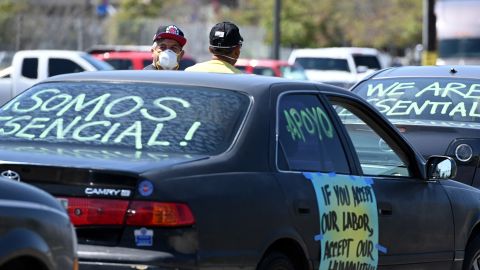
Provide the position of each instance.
(126, 60)
(270, 67)
(136, 57)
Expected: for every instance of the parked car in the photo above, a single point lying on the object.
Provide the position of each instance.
(126, 60)
(436, 109)
(271, 67)
(234, 171)
(35, 230)
(31, 66)
(341, 66)
(132, 57)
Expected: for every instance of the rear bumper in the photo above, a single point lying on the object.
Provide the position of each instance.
(106, 258)
(112, 266)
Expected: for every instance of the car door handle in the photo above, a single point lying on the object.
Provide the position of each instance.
(301, 207)
(384, 209)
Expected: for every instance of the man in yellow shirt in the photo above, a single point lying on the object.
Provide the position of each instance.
(225, 45)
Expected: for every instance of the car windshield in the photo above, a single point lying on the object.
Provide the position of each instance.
(461, 47)
(438, 99)
(323, 63)
(241, 68)
(120, 64)
(98, 64)
(295, 72)
(136, 116)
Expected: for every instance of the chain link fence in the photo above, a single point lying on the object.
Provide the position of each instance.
(77, 27)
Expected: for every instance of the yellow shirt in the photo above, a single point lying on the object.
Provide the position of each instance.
(216, 66)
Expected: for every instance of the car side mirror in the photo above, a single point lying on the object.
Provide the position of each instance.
(441, 167)
(362, 69)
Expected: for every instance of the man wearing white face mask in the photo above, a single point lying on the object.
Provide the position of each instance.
(225, 45)
(167, 48)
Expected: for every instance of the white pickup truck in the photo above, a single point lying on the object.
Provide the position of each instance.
(32, 66)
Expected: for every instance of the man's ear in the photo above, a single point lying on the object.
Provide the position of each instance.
(152, 48)
(236, 52)
(180, 55)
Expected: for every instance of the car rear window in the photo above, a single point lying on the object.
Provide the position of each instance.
(295, 72)
(146, 62)
(323, 63)
(265, 71)
(370, 61)
(138, 116)
(439, 99)
(98, 64)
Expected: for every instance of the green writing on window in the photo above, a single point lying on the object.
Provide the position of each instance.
(308, 122)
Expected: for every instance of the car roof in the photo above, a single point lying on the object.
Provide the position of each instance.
(249, 83)
(124, 54)
(118, 48)
(131, 54)
(59, 53)
(260, 62)
(451, 71)
(333, 52)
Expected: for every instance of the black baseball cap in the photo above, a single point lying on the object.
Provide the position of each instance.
(170, 32)
(225, 35)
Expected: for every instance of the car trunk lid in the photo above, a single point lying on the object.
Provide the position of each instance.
(101, 194)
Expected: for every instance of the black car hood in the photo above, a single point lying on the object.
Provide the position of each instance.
(92, 158)
(433, 137)
(461, 186)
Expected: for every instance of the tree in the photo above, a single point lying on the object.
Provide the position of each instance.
(389, 24)
(126, 26)
(133, 9)
(9, 12)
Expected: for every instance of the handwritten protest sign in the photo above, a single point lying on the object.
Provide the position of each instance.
(136, 116)
(308, 121)
(425, 98)
(348, 221)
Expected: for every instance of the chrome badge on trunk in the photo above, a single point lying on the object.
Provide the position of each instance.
(11, 174)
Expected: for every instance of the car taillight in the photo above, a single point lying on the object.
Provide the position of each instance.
(89, 211)
(145, 213)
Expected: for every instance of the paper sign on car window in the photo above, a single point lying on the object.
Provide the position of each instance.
(348, 221)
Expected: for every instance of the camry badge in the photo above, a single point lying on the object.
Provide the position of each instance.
(108, 192)
(11, 174)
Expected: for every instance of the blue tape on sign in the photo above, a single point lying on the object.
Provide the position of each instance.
(318, 237)
(332, 174)
(308, 175)
(381, 248)
(368, 181)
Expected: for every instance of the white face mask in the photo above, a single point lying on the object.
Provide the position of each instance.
(167, 59)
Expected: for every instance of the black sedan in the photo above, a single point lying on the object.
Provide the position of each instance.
(35, 230)
(177, 170)
(437, 108)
